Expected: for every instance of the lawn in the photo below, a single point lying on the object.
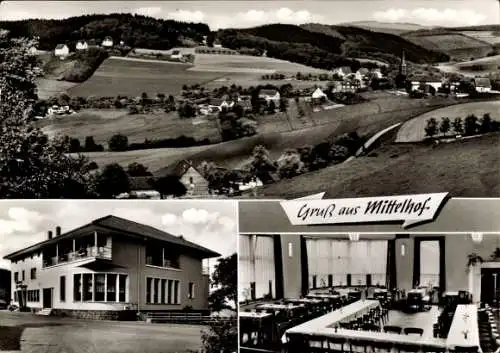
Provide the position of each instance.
(104, 123)
(486, 36)
(414, 129)
(119, 76)
(467, 168)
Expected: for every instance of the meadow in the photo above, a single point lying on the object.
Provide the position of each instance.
(120, 76)
(414, 129)
(483, 66)
(486, 36)
(277, 134)
(104, 123)
(467, 168)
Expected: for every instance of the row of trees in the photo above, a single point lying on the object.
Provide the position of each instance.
(471, 125)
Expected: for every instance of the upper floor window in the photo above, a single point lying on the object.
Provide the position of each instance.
(161, 257)
(33, 273)
(23, 276)
(16, 277)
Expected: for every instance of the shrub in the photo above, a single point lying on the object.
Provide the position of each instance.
(118, 143)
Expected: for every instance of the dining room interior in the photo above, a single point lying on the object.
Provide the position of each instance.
(366, 292)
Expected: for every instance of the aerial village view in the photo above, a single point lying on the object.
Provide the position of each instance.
(280, 100)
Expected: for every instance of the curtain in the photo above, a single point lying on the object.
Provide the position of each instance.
(342, 257)
(256, 264)
(429, 263)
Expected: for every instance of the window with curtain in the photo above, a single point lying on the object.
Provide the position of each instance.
(330, 261)
(429, 263)
(256, 265)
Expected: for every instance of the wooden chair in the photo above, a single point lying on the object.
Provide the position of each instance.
(413, 331)
(380, 347)
(360, 345)
(393, 329)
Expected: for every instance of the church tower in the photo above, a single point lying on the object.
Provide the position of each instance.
(402, 67)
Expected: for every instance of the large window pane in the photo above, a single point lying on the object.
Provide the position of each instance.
(111, 288)
(77, 287)
(87, 287)
(163, 291)
(176, 292)
(122, 288)
(170, 288)
(100, 287)
(156, 291)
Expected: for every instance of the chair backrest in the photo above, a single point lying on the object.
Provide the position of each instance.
(393, 329)
(413, 330)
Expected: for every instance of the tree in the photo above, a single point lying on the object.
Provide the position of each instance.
(470, 125)
(283, 105)
(458, 126)
(118, 143)
(445, 125)
(222, 335)
(137, 170)
(486, 124)
(170, 185)
(74, 145)
(112, 181)
(91, 146)
(431, 127)
(261, 165)
(290, 164)
(31, 164)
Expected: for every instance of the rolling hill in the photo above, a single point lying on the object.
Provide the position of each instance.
(386, 27)
(325, 46)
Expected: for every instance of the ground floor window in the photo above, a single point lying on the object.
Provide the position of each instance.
(33, 295)
(191, 290)
(162, 291)
(100, 287)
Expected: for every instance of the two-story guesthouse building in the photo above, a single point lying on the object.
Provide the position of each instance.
(111, 268)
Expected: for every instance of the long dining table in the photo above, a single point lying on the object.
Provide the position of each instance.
(464, 331)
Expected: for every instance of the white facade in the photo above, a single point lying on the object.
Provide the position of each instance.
(107, 42)
(81, 45)
(61, 51)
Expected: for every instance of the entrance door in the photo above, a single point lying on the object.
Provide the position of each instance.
(490, 286)
(47, 298)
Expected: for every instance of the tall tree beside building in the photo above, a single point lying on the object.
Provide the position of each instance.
(31, 164)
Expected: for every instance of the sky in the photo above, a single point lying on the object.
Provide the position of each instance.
(207, 223)
(240, 13)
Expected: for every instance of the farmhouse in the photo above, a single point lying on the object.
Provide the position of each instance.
(81, 45)
(107, 42)
(426, 83)
(342, 71)
(220, 104)
(318, 94)
(143, 188)
(111, 268)
(377, 73)
(482, 84)
(176, 54)
(190, 176)
(270, 95)
(61, 50)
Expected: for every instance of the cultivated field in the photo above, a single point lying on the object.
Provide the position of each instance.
(467, 168)
(248, 64)
(414, 129)
(486, 36)
(483, 66)
(104, 123)
(458, 46)
(119, 76)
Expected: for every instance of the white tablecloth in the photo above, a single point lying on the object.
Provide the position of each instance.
(464, 320)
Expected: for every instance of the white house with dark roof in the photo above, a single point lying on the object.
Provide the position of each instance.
(110, 268)
(482, 84)
(107, 42)
(81, 45)
(61, 50)
(270, 95)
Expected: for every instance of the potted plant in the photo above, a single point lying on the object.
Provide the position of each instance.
(495, 255)
(473, 259)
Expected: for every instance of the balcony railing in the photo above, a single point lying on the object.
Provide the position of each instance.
(100, 252)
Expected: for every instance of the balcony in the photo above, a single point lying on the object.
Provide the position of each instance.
(94, 252)
(205, 270)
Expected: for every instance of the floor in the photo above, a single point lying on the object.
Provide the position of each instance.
(27, 333)
(424, 320)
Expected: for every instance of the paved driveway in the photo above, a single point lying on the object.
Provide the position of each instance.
(35, 334)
